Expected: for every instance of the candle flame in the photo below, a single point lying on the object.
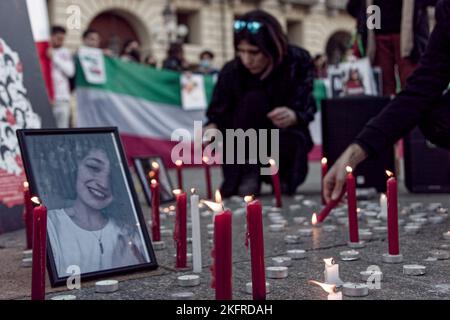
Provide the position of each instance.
(166, 210)
(26, 184)
(155, 165)
(172, 208)
(179, 163)
(314, 219)
(154, 182)
(193, 191)
(248, 199)
(389, 173)
(214, 206)
(205, 159)
(324, 160)
(272, 162)
(329, 262)
(36, 200)
(349, 169)
(177, 192)
(329, 288)
(218, 197)
(151, 174)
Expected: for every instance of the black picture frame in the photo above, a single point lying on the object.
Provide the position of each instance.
(89, 139)
(142, 166)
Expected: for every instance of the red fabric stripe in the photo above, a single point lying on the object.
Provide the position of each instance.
(46, 67)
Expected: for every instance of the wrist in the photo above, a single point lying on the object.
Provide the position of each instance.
(356, 155)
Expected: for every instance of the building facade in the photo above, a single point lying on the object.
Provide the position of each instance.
(308, 23)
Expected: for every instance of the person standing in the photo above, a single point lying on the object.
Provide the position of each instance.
(63, 68)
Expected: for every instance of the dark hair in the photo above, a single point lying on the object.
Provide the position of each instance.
(207, 53)
(270, 39)
(89, 32)
(175, 49)
(58, 29)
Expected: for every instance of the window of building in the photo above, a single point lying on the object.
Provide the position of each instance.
(295, 32)
(191, 19)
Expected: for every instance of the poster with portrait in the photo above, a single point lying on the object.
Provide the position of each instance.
(23, 104)
(143, 167)
(193, 94)
(95, 222)
(353, 78)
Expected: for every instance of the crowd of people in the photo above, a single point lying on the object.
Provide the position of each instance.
(269, 85)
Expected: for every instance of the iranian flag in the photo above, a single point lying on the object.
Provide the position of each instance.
(38, 13)
(144, 103)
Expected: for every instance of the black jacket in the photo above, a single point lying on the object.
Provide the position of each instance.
(290, 84)
(424, 101)
(357, 8)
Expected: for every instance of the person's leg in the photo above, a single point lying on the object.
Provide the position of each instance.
(385, 59)
(61, 112)
(436, 125)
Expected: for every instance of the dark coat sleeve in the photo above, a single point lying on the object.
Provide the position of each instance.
(302, 80)
(354, 8)
(421, 95)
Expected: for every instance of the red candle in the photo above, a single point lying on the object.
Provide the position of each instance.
(352, 210)
(28, 214)
(180, 235)
(179, 165)
(39, 250)
(330, 206)
(208, 177)
(392, 216)
(222, 267)
(276, 182)
(324, 163)
(256, 237)
(156, 229)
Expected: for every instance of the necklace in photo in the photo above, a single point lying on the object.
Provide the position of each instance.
(99, 239)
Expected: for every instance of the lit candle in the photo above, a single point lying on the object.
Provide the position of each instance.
(156, 229)
(392, 206)
(330, 289)
(256, 237)
(196, 235)
(39, 250)
(179, 234)
(179, 165)
(28, 214)
(324, 163)
(330, 206)
(208, 177)
(222, 252)
(352, 210)
(276, 182)
(314, 220)
(331, 272)
(383, 206)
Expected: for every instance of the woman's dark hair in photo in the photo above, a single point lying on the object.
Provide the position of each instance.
(263, 30)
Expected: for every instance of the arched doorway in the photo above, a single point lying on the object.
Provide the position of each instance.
(114, 29)
(337, 46)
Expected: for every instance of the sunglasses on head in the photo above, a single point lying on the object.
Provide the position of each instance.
(252, 26)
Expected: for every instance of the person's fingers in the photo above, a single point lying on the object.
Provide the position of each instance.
(338, 186)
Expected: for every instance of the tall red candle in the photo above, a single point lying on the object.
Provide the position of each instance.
(156, 229)
(39, 251)
(28, 214)
(276, 182)
(324, 166)
(180, 234)
(256, 237)
(208, 177)
(392, 216)
(179, 165)
(352, 210)
(330, 206)
(222, 267)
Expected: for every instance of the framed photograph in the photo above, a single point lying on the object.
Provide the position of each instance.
(95, 221)
(143, 166)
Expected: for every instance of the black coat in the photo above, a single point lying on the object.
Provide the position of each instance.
(290, 84)
(357, 8)
(424, 102)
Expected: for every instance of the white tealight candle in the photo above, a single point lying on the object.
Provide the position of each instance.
(329, 228)
(190, 280)
(183, 296)
(282, 261)
(331, 272)
(292, 239)
(107, 286)
(159, 245)
(349, 255)
(295, 207)
(436, 219)
(355, 289)
(166, 232)
(64, 297)
(296, 254)
(440, 254)
(365, 235)
(276, 228)
(414, 270)
(411, 229)
(27, 263)
(249, 288)
(299, 220)
(277, 272)
(305, 232)
(28, 254)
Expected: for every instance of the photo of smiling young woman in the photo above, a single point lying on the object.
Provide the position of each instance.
(92, 222)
